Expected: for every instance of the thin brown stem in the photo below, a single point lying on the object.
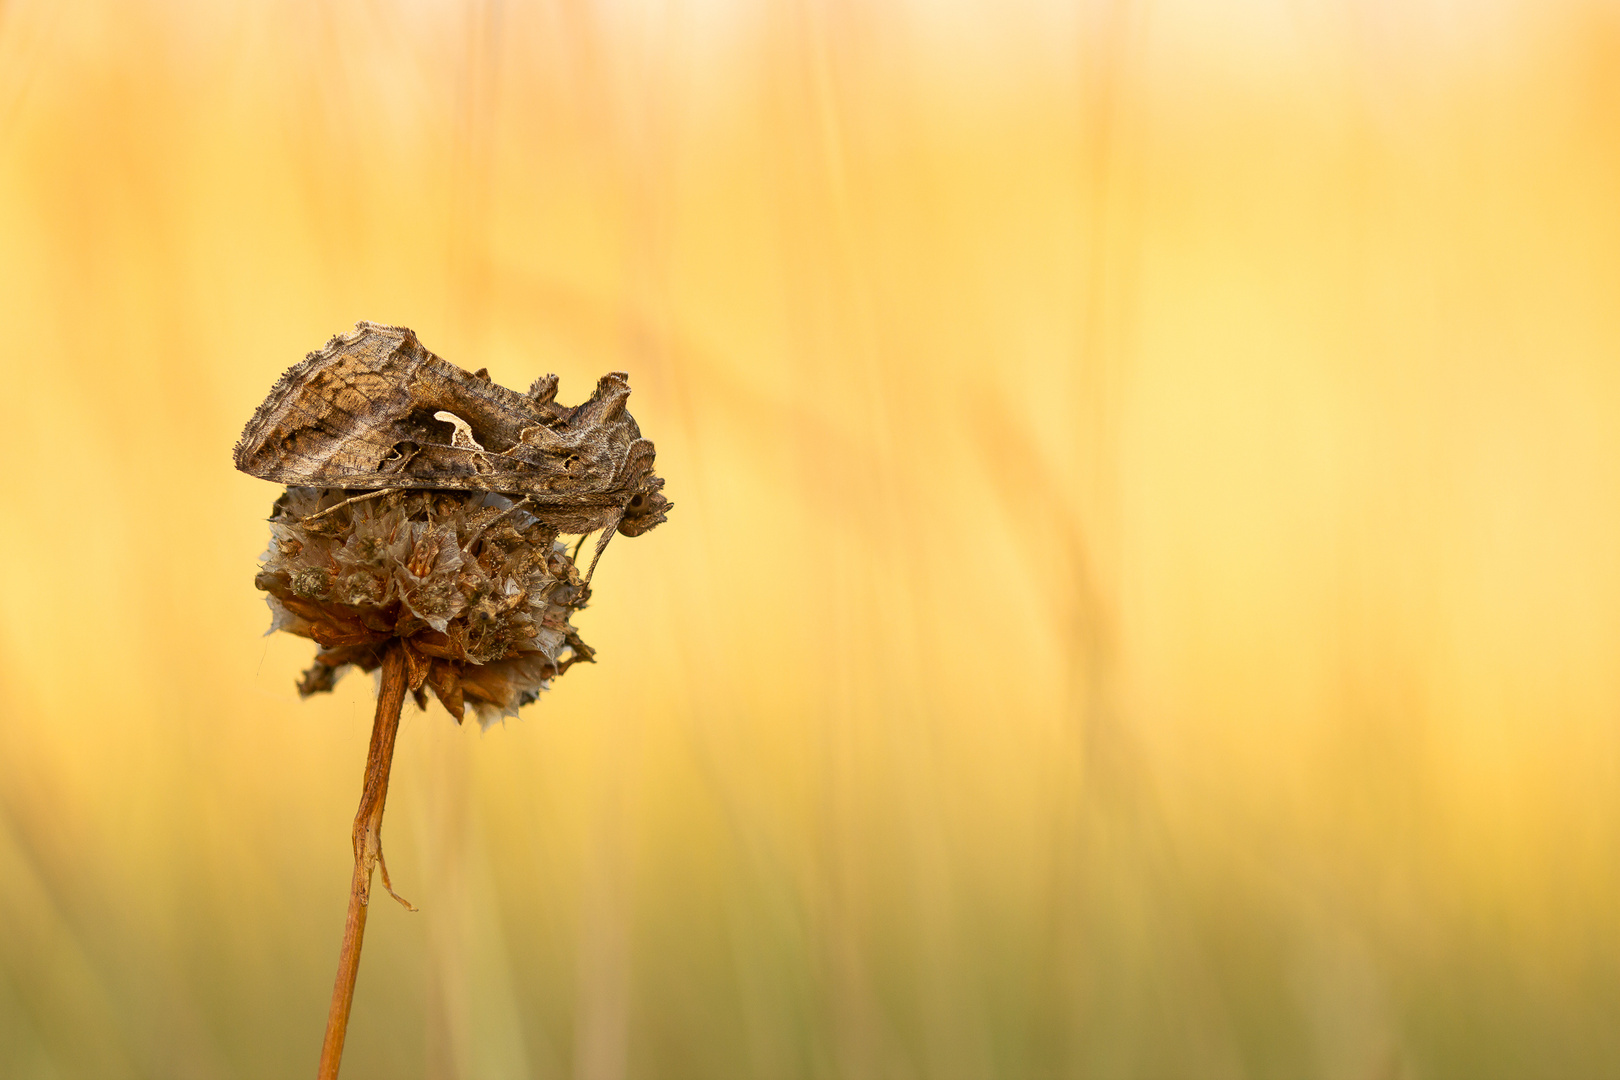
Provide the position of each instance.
(367, 852)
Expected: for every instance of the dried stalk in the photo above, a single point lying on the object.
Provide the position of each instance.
(367, 852)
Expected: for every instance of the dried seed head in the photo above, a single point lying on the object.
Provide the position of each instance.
(480, 592)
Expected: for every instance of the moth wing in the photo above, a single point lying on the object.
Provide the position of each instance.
(335, 416)
(374, 408)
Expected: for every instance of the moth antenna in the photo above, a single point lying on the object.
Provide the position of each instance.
(347, 502)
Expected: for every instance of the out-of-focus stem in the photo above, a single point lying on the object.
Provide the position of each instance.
(367, 852)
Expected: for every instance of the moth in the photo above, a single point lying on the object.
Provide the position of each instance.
(375, 411)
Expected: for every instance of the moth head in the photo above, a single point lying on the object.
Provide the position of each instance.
(646, 508)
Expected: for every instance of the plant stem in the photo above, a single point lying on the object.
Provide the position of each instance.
(367, 852)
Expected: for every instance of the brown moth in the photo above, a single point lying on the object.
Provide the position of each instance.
(374, 411)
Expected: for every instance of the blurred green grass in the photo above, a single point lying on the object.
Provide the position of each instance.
(1141, 600)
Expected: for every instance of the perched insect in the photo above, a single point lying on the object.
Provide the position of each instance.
(376, 411)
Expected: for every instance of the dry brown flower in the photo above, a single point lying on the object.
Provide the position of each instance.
(477, 591)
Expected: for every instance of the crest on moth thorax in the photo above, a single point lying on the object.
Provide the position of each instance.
(375, 410)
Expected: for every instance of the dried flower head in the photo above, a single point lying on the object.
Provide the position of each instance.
(479, 591)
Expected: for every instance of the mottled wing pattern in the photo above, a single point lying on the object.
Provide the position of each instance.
(376, 409)
(336, 416)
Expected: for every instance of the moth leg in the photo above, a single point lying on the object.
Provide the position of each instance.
(516, 506)
(601, 544)
(346, 502)
(519, 504)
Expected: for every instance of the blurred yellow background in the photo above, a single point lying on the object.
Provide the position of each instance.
(1142, 599)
